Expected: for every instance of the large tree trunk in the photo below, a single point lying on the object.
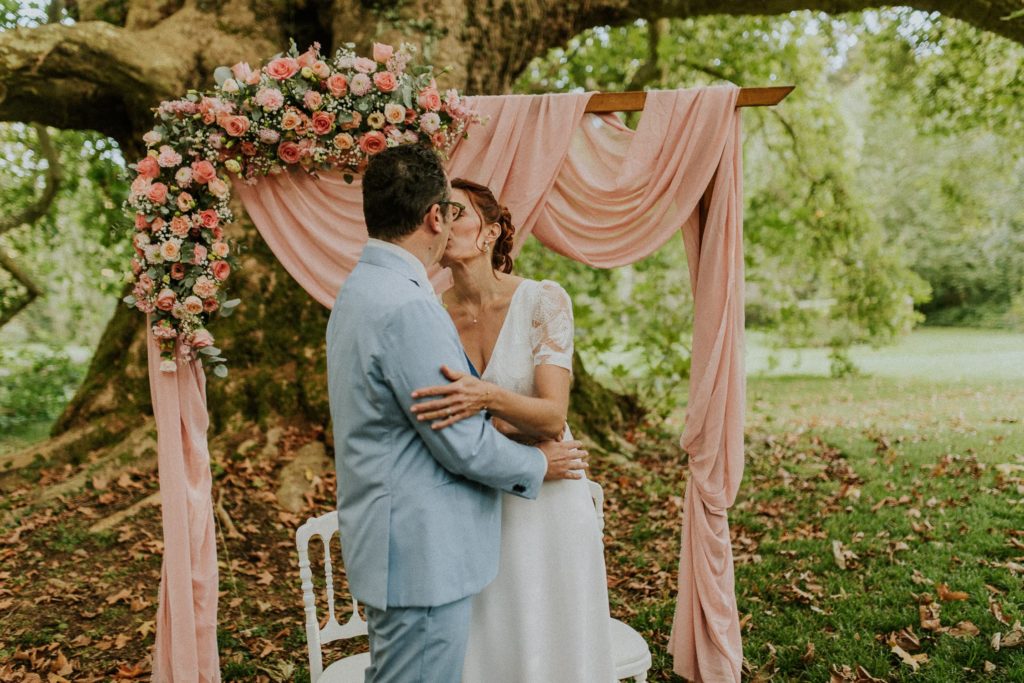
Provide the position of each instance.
(107, 71)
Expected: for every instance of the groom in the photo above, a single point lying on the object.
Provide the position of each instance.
(418, 509)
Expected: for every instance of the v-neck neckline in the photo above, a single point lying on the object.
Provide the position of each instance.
(504, 324)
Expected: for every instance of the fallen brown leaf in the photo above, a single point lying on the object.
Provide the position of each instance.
(964, 629)
(913, 661)
(930, 616)
(947, 595)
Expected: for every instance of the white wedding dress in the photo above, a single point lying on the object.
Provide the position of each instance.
(545, 618)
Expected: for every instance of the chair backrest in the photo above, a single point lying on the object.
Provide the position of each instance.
(597, 495)
(324, 526)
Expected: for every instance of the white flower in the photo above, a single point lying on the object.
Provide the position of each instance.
(168, 366)
(229, 85)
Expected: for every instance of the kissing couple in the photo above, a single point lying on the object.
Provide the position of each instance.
(466, 521)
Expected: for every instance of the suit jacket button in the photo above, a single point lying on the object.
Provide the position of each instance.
(518, 488)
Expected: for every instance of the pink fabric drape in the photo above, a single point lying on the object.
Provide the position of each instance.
(186, 619)
(595, 191)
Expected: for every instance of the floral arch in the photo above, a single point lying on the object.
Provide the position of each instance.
(290, 139)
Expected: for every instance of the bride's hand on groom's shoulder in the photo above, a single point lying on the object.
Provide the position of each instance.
(463, 397)
(566, 459)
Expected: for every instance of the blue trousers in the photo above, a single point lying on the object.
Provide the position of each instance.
(418, 644)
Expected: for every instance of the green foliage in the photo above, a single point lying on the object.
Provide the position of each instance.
(35, 383)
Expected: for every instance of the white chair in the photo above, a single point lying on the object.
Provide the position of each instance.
(630, 654)
(349, 669)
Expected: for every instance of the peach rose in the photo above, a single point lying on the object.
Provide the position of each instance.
(385, 81)
(307, 58)
(193, 305)
(373, 142)
(382, 52)
(148, 167)
(321, 70)
(220, 249)
(170, 250)
(323, 123)
(288, 152)
(313, 100)
(221, 269)
(157, 193)
(204, 287)
(185, 201)
(208, 218)
(282, 68)
(291, 120)
(177, 271)
(236, 126)
(343, 141)
(357, 118)
(242, 72)
(165, 299)
(140, 186)
(198, 254)
(158, 224)
(140, 222)
(152, 137)
(394, 113)
(338, 85)
(203, 171)
(146, 282)
(180, 226)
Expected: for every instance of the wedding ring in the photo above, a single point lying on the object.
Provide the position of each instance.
(448, 412)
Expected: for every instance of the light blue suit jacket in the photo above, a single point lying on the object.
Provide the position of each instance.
(419, 510)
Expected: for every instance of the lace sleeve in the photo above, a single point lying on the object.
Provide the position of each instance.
(552, 331)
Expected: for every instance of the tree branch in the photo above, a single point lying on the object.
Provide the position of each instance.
(39, 208)
(33, 291)
(988, 15)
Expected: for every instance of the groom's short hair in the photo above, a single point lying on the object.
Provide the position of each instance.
(399, 186)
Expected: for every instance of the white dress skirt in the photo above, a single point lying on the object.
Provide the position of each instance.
(544, 619)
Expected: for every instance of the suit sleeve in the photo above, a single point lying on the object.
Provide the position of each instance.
(419, 338)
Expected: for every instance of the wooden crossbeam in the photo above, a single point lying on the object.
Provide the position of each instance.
(606, 102)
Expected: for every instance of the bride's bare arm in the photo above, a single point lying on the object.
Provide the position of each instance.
(541, 416)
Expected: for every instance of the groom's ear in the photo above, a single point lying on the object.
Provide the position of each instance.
(433, 219)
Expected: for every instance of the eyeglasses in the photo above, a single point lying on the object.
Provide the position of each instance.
(456, 210)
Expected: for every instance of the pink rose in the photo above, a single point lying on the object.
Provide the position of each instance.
(148, 167)
(282, 68)
(158, 224)
(201, 338)
(193, 304)
(338, 85)
(218, 188)
(364, 65)
(270, 99)
(382, 52)
(429, 99)
(385, 81)
(180, 226)
(242, 72)
(307, 58)
(321, 69)
(248, 148)
(157, 193)
(220, 249)
(140, 222)
(323, 123)
(209, 219)
(236, 126)
(210, 305)
(185, 201)
(221, 269)
(136, 266)
(288, 152)
(313, 100)
(146, 282)
(140, 186)
(199, 254)
(177, 270)
(438, 140)
(144, 305)
(165, 299)
(218, 232)
(203, 171)
(373, 142)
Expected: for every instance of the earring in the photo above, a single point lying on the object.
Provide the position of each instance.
(486, 248)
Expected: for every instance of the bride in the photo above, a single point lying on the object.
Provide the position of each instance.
(545, 617)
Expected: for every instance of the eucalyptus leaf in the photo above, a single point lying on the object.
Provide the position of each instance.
(220, 370)
(221, 74)
(231, 303)
(210, 351)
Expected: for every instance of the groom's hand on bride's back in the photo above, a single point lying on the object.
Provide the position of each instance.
(566, 459)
